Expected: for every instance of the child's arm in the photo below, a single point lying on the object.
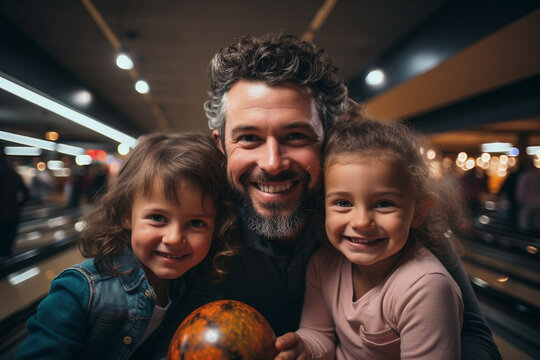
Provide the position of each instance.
(430, 319)
(58, 329)
(316, 335)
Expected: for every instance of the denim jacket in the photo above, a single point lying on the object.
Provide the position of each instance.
(90, 314)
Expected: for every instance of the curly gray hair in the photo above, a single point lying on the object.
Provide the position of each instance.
(275, 59)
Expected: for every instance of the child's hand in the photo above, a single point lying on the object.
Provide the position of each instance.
(291, 346)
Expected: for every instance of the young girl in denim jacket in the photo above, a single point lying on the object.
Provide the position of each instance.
(380, 291)
(161, 217)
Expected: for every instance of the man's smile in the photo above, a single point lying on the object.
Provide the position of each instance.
(274, 188)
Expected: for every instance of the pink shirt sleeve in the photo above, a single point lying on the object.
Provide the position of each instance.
(429, 318)
(316, 325)
(415, 314)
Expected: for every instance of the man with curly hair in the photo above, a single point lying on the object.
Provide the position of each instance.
(272, 100)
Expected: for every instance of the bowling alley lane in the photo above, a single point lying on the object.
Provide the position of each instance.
(25, 286)
(504, 283)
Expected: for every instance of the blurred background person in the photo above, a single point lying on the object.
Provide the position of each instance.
(528, 197)
(508, 192)
(97, 178)
(474, 184)
(41, 186)
(13, 194)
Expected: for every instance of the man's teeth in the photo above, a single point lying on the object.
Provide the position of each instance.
(275, 188)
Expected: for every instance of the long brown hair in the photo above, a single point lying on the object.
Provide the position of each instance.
(169, 158)
(440, 230)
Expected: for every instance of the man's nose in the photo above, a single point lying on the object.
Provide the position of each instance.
(273, 159)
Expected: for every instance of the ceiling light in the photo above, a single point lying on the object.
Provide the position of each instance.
(375, 77)
(533, 150)
(82, 98)
(513, 152)
(43, 144)
(45, 102)
(51, 135)
(142, 87)
(496, 147)
(123, 61)
(55, 164)
(421, 63)
(83, 160)
(123, 149)
(22, 151)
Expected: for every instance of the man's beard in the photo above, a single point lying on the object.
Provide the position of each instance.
(276, 226)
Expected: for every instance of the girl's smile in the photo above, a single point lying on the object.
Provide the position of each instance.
(168, 237)
(370, 207)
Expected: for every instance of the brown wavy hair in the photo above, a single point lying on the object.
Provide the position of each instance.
(440, 230)
(170, 158)
(275, 59)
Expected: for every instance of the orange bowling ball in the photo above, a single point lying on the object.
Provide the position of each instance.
(224, 329)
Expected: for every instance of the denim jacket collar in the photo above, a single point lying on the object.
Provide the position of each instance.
(132, 274)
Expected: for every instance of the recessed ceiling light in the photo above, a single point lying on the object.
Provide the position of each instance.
(123, 61)
(375, 77)
(142, 87)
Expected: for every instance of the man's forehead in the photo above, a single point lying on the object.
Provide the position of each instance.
(252, 103)
(247, 93)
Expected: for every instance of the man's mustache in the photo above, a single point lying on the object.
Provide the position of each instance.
(264, 177)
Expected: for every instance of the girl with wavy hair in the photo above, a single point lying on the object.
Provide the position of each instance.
(162, 216)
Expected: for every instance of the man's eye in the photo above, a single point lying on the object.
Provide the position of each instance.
(296, 137)
(158, 218)
(196, 223)
(248, 138)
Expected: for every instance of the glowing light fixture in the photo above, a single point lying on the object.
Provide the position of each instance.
(142, 87)
(41, 166)
(375, 77)
(123, 149)
(35, 97)
(124, 62)
(513, 152)
(82, 160)
(496, 147)
(55, 164)
(51, 135)
(532, 150)
(43, 144)
(22, 151)
(82, 98)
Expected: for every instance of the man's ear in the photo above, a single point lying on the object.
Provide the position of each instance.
(217, 139)
(420, 212)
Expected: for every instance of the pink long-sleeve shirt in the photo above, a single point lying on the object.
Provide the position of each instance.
(415, 313)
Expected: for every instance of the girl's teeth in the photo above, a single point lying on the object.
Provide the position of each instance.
(169, 256)
(357, 241)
